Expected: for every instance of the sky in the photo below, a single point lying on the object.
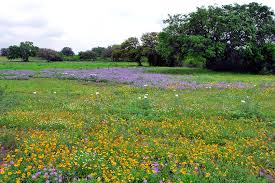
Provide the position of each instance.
(84, 24)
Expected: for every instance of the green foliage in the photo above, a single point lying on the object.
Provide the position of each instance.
(231, 37)
(117, 53)
(131, 50)
(168, 48)
(107, 53)
(99, 51)
(23, 51)
(49, 55)
(4, 52)
(67, 51)
(87, 55)
(247, 110)
(194, 61)
(149, 49)
(13, 52)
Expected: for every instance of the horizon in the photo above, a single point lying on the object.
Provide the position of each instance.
(55, 25)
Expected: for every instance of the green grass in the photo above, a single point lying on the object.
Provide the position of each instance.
(203, 135)
(36, 64)
(203, 75)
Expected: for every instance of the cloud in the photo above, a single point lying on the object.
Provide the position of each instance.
(36, 22)
(83, 24)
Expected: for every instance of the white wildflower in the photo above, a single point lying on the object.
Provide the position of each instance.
(97, 93)
(243, 101)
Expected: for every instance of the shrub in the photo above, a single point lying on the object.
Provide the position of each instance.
(87, 55)
(49, 54)
(194, 61)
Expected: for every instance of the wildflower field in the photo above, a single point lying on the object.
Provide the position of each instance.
(135, 125)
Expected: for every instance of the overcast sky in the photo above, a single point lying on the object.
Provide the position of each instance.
(83, 24)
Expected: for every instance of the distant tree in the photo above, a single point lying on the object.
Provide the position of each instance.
(67, 51)
(14, 52)
(4, 52)
(107, 53)
(117, 53)
(99, 51)
(49, 55)
(132, 50)
(23, 51)
(87, 55)
(149, 45)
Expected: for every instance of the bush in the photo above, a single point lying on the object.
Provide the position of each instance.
(49, 54)
(194, 61)
(87, 55)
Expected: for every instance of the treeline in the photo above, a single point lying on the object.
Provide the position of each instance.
(27, 49)
(232, 37)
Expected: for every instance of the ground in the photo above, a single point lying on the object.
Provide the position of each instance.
(153, 125)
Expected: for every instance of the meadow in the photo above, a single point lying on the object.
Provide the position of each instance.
(38, 64)
(114, 122)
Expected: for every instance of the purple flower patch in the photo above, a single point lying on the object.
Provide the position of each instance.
(137, 77)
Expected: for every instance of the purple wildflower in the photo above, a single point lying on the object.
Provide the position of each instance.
(155, 166)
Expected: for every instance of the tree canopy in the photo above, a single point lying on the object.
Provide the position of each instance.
(149, 49)
(131, 49)
(23, 51)
(4, 52)
(87, 55)
(67, 51)
(231, 37)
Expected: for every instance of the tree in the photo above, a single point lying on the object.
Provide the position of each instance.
(24, 51)
(14, 52)
(4, 52)
(99, 51)
(132, 50)
(117, 53)
(67, 51)
(231, 37)
(49, 54)
(87, 55)
(107, 53)
(170, 49)
(149, 45)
